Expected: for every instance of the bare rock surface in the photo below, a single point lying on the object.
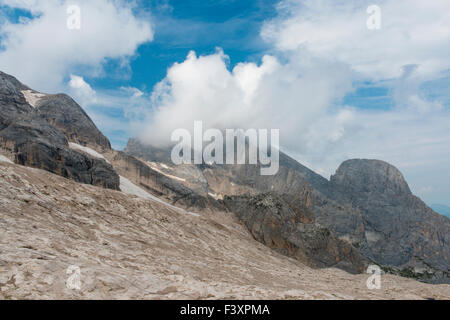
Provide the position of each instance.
(401, 230)
(367, 203)
(367, 208)
(279, 226)
(62, 112)
(160, 184)
(132, 248)
(40, 138)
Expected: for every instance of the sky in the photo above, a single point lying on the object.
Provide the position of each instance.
(336, 86)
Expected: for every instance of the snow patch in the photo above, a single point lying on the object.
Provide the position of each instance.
(5, 159)
(32, 97)
(153, 166)
(87, 150)
(216, 196)
(128, 187)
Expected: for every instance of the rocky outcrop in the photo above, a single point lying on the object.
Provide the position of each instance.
(371, 178)
(159, 184)
(367, 203)
(273, 222)
(400, 229)
(39, 138)
(70, 119)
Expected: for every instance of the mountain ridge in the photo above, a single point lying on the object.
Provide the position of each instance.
(441, 209)
(351, 205)
(33, 137)
(364, 214)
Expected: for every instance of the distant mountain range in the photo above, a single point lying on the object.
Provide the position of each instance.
(441, 209)
(366, 214)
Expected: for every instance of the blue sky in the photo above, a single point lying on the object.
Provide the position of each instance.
(182, 26)
(202, 26)
(337, 89)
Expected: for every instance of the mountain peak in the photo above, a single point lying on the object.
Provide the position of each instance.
(373, 176)
(36, 129)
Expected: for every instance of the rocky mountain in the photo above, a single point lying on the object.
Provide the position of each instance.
(399, 228)
(36, 128)
(52, 132)
(367, 204)
(223, 185)
(366, 214)
(69, 118)
(131, 247)
(148, 176)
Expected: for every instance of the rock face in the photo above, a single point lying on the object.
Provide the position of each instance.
(372, 178)
(163, 186)
(69, 118)
(367, 204)
(400, 229)
(273, 222)
(290, 227)
(39, 138)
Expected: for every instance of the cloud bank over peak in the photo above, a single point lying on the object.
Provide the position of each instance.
(321, 51)
(271, 95)
(42, 51)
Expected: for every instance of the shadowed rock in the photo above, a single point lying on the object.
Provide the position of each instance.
(273, 222)
(400, 229)
(39, 138)
(69, 118)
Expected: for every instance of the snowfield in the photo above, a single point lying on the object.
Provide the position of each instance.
(154, 165)
(87, 150)
(128, 187)
(5, 159)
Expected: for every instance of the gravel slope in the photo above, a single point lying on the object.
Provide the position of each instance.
(132, 248)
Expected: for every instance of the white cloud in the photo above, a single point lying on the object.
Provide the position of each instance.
(82, 91)
(413, 32)
(321, 48)
(43, 52)
(112, 110)
(272, 95)
(135, 92)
